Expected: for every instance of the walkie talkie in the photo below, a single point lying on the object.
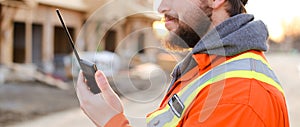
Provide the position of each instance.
(88, 68)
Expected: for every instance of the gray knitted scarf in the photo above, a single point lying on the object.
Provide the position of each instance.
(235, 35)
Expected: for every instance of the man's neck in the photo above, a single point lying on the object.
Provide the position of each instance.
(218, 16)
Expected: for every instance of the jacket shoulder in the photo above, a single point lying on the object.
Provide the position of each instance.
(242, 99)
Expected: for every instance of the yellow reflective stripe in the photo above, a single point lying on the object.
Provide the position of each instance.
(238, 74)
(153, 115)
(242, 56)
(250, 74)
(193, 95)
(249, 55)
(179, 94)
(233, 74)
(263, 78)
(173, 123)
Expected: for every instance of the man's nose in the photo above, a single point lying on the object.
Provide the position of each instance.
(163, 6)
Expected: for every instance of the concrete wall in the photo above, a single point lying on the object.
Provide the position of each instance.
(128, 27)
(40, 14)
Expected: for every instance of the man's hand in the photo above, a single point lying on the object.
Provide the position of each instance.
(100, 108)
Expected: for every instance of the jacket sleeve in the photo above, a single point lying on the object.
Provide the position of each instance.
(118, 121)
(225, 115)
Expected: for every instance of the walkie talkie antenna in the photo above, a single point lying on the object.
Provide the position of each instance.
(67, 32)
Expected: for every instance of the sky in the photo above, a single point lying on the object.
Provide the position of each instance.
(274, 13)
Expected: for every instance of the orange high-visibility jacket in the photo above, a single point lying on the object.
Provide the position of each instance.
(242, 101)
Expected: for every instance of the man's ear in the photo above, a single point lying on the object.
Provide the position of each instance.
(217, 3)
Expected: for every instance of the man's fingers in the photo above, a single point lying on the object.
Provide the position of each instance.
(103, 83)
(107, 92)
(80, 78)
(81, 87)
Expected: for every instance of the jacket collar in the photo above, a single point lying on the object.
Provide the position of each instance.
(235, 35)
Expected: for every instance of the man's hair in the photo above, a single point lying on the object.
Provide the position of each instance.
(236, 7)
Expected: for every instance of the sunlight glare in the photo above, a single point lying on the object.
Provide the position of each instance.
(159, 29)
(273, 13)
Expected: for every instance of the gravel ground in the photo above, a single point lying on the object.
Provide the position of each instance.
(28, 100)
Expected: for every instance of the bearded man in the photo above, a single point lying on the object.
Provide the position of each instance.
(225, 80)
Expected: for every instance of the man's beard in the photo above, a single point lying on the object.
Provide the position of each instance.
(184, 36)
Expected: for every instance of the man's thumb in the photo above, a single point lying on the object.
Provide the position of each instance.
(102, 82)
(107, 92)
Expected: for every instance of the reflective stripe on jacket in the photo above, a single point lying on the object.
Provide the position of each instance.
(240, 92)
(175, 109)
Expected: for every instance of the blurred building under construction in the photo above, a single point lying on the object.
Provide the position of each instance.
(32, 34)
